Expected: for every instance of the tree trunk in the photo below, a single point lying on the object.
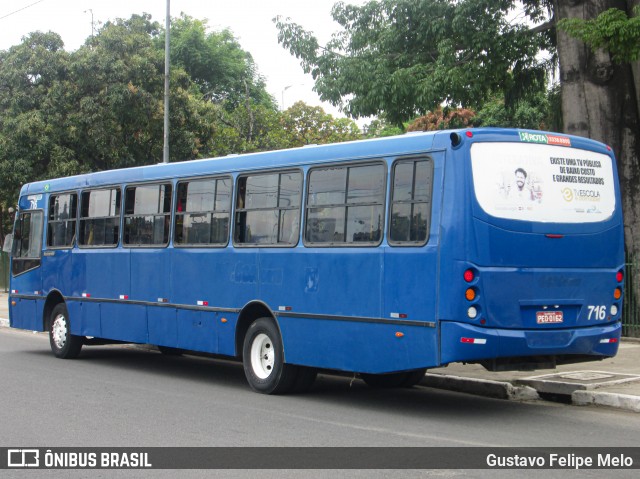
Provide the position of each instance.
(601, 100)
(635, 66)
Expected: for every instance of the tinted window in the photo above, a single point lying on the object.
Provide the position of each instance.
(202, 212)
(345, 205)
(147, 215)
(61, 229)
(27, 241)
(100, 217)
(411, 202)
(268, 209)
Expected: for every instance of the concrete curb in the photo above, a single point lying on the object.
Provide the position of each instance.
(480, 387)
(506, 390)
(601, 398)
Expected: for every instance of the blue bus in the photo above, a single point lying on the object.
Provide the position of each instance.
(379, 257)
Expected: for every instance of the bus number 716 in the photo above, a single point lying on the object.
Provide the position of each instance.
(599, 313)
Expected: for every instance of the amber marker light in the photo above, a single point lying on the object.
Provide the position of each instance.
(399, 334)
(470, 294)
(617, 293)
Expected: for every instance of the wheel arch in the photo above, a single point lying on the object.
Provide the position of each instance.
(250, 312)
(53, 299)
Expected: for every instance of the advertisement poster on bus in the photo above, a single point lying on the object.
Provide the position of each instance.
(543, 182)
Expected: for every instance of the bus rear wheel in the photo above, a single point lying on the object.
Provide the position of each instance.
(405, 379)
(263, 359)
(63, 344)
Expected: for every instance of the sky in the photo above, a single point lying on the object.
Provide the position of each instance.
(249, 20)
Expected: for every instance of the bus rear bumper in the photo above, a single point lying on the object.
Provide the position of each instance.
(462, 342)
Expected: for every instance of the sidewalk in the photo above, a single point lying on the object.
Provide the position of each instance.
(612, 382)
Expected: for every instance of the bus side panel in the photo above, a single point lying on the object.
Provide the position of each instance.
(27, 314)
(24, 315)
(57, 271)
(124, 322)
(323, 281)
(89, 324)
(100, 273)
(150, 275)
(214, 268)
(358, 346)
(227, 323)
(197, 331)
(163, 326)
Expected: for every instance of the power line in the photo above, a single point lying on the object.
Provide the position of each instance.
(20, 9)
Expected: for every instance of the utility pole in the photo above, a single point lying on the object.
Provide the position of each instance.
(92, 23)
(165, 153)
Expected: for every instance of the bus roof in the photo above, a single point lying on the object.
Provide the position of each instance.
(407, 144)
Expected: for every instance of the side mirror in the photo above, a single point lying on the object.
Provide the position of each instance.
(8, 243)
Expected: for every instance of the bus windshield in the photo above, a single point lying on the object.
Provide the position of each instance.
(543, 183)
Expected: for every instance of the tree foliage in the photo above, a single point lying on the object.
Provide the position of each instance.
(216, 63)
(400, 58)
(101, 107)
(613, 30)
(443, 118)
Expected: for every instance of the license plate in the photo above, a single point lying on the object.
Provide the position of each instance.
(549, 317)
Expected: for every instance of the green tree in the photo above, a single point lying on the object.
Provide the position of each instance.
(379, 128)
(613, 30)
(32, 101)
(216, 63)
(305, 125)
(400, 58)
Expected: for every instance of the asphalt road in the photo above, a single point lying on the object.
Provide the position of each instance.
(126, 396)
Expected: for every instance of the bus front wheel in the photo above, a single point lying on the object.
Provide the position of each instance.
(63, 344)
(263, 359)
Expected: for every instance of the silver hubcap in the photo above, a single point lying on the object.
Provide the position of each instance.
(262, 356)
(59, 331)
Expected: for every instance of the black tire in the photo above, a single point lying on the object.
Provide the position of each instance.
(405, 379)
(263, 359)
(63, 344)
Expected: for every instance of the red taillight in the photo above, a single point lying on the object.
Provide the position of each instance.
(469, 134)
(468, 276)
(619, 276)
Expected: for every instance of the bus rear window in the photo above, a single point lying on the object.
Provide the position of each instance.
(543, 183)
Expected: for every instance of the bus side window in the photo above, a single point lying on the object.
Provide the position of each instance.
(147, 215)
(100, 217)
(411, 202)
(345, 205)
(268, 209)
(202, 212)
(61, 226)
(27, 244)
